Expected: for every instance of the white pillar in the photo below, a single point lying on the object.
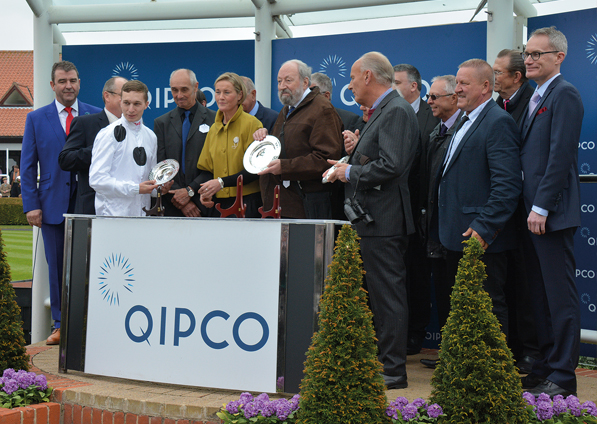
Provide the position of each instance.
(500, 27)
(43, 58)
(264, 34)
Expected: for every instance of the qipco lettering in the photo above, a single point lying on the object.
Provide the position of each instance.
(586, 145)
(179, 333)
(584, 273)
(587, 208)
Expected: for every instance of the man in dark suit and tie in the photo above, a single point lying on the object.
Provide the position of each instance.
(511, 83)
(480, 181)
(551, 193)
(515, 92)
(408, 82)
(76, 153)
(181, 134)
(254, 107)
(45, 134)
(377, 178)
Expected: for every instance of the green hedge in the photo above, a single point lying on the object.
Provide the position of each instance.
(11, 211)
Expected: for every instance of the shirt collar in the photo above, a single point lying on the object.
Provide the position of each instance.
(111, 116)
(452, 119)
(307, 91)
(477, 111)
(416, 104)
(380, 98)
(541, 90)
(513, 94)
(253, 111)
(60, 107)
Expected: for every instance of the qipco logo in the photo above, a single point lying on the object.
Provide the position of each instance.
(586, 145)
(586, 233)
(585, 273)
(587, 208)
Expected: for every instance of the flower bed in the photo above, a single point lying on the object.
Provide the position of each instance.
(543, 409)
(22, 388)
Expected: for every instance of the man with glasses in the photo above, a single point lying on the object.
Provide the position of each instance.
(551, 192)
(408, 83)
(444, 104)
(511, 83)
(76, 153)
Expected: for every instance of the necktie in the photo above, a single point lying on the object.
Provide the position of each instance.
(443, 130)
(186, 126)
(506, 104)
(449, 151)
(533, 103)
(370, 113)
(69, 118)
(290, 110)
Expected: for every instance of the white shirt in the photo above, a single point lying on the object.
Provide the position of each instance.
(114, 174)
(63, 114)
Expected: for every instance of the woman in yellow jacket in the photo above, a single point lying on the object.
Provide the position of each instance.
(222, 156)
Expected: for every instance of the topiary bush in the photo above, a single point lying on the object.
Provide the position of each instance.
(475, 380)
(342, 382)
(12, 342)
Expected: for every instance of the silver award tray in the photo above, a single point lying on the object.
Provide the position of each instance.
(164, 171)
(261, 153)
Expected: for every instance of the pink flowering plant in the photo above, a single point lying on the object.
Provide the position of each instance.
(401, 411)
(22, 388)
(260, 409)
(560, 410)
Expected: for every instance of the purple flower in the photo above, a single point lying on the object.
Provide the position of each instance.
(10, 387)
(434, 410)
(409, 412)
(41, 382)
(544, 411)
(559, 406)
(25, 379)
(400, 402)
(232, 407)
(283, 409)
(418, 402)
(543, 397)
(251, 409)
(529, 398)
(269, 409)
(294, 402)
(590, 407)
(280, 383)
(245, 398)
(391, 412)
(574, 405)
(9, 373)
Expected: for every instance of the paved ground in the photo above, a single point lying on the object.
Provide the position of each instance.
(181, 401)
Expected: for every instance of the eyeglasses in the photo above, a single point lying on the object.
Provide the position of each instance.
(535, 55)
(497, 73)
(434, 97)
(111, 92)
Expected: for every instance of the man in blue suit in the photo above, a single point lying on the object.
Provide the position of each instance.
(45, 134)
(551, 193)
(254, 107)
(480, 181)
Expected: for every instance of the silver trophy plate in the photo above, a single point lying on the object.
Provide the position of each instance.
(164, 171)
(333, 169)
(261, 153)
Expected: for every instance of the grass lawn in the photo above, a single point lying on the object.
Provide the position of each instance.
(18, 241)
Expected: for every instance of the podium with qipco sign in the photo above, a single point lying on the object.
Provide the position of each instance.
(222, 303)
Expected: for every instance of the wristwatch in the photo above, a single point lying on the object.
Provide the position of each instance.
(190, 191)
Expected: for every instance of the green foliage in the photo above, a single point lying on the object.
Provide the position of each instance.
(342, 382)
(228, 418)
(475, 380)
(24, 397)
(11, 211)
(12, 341)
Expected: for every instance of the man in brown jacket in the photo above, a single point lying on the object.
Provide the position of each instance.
(309, 130)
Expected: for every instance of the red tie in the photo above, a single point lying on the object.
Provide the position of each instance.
(370, 113)
(69, 118)
(506, 104)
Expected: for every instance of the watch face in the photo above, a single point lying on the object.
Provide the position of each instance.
(190, 191)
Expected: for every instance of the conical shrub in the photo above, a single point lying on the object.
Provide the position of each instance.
(12, 342)
(475, 380)
(342, 382)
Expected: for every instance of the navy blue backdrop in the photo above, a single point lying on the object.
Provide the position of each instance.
(433, 50)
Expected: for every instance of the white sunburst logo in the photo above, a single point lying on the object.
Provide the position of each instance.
(334, 67)
(126, 70)
(592, 49)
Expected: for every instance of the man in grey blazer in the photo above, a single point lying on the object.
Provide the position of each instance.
(480, 181)
(194, 119)
(377, 178)
(551, 193)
